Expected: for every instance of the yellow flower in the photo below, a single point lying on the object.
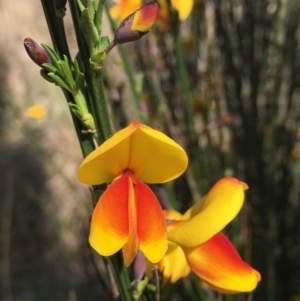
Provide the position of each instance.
(38, 111)
(128, 215)
(195, 242)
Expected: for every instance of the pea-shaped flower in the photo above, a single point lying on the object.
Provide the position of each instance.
(196, 244)
(128, 215)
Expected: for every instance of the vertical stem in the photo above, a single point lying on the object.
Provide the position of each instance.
(57, 32)
(99, 104)
(126, 63)
(188, 100)
(5, 231)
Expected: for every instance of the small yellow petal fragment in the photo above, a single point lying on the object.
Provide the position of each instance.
(184, 8)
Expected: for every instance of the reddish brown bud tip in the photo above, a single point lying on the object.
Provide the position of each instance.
(137, 24)
(60, 4)
(36, 52)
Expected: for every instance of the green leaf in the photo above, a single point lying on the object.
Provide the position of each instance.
(44, 74)
(59, 81)
(49, 67)
(53, 55)
(104, 43)
(89, 30)
(67, 73)
(79, 82)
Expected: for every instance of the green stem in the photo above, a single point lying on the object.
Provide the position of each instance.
(96, 103)
(56, 28)
(188, 100)
(99, 104)
(57, 32)
(122, 277)
(126, 64)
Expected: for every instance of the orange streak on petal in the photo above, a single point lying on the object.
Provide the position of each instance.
(131, 247)
(151, 224)
(218, 263)
(109, 224)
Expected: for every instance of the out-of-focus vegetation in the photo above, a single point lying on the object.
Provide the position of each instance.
(226, 85)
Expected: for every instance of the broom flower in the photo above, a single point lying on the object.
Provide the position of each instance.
(196, 244)
(128, 215)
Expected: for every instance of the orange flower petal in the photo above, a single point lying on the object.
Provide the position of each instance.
(151, 224)
(218, 263)
(109, 229)
(131, 247)
(210, 215)
(145, 17)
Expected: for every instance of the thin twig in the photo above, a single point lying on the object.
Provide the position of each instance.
(107, 291)
(250, 297)
(114, 287)
(157, 293)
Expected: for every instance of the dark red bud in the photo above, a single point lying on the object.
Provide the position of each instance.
(137, 24)
(36, 52)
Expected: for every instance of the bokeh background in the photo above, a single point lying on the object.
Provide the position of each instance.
(226, 85)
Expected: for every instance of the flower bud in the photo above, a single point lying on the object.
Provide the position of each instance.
(61, 4)
(36, 52)
(137, 24)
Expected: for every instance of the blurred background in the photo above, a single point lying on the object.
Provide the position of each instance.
(224, 83)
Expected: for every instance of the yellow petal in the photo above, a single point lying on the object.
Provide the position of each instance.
(156, 158)
(109, 160)
(149, 154)
(174, 265)
(211, 215)
(124, 9)
(184, 8)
